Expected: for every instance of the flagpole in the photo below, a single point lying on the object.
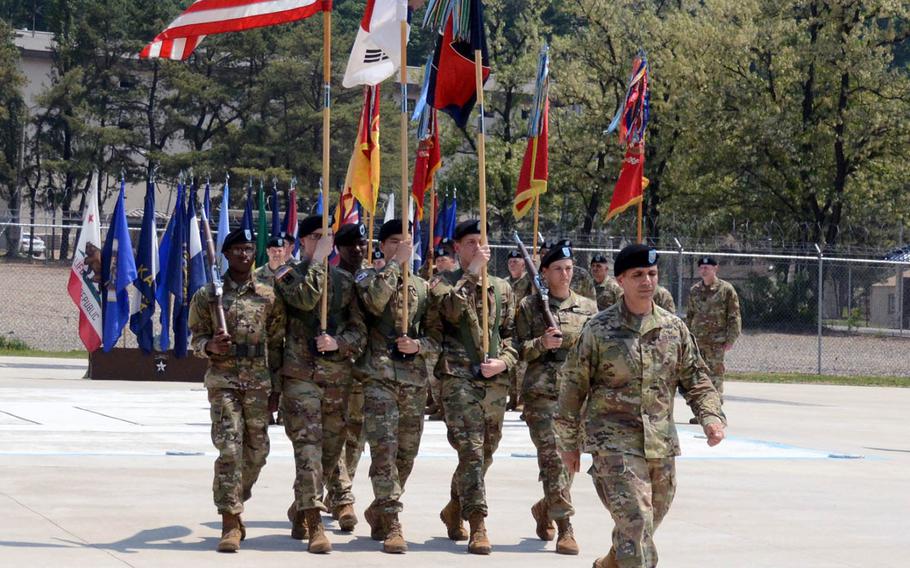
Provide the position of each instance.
(536, 224)
(326, 154)
(482, 198)
(405, 217)
(369, 235)
(431, 239)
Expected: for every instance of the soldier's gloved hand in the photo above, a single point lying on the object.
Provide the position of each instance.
(407, 345)
(403, 252)
(481, 258)
(323, 247)
(492, 367)
(274, 399)
(715, 433)
(572, 460)
(326, 343)
(552, 338)
(220, 344)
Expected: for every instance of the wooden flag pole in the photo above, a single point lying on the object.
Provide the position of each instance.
(405, 217)
(369, 237)
(482, 198)
(431, 258)
(326, 154)
(535, 254)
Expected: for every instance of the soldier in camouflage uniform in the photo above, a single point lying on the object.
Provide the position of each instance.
(606, 288)
(378, 260)
(445, 261)
(242, 378)
(582, 282)
(316, 374)
(622, 376)
(712, 314)
(351, 244)
(276, 250)
(545, 349)
(474, 389)
(520, 281)
(395, 386)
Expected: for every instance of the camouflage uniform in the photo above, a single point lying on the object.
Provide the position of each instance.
(521, 287)
(712, 314)
(610, 292)
(474, 407)
(539, 388)
(622, 376)
(316, 389)
(583, 283)
(239, 382)
(395, 391)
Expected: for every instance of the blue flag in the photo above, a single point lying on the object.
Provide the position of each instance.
(451, 218)
(162, 295)
(276, 215)
(176, 275)
(418, 246)
(439, 229)
(196, 275)
(224, 224)
(318, 208)
(118, 270)
(141, 320)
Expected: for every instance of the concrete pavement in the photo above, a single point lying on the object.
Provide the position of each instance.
(119, 473)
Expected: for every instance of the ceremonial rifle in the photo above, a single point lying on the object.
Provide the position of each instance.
(536, 282)
(215, 274)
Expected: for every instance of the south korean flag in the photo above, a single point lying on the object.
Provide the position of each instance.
(376, 55)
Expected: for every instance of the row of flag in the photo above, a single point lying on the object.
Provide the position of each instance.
(114, 286)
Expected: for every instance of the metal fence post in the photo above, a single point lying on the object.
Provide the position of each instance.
(679, 277)
(821, 278)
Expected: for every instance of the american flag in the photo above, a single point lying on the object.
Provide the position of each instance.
(205, 17)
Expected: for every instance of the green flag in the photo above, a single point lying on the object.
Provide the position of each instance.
(262, 230)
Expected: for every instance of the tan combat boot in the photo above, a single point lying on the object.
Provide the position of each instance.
(479, 543)
(545, 530)
(319, 542)
(608, 561)
(565, 543)
(346, 517)
(394, 540)
(298, 523)
(376, 520)
(451, 517)
(230, 533)
(242, 528)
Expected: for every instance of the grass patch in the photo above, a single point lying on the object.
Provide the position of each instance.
(813, 379)
(77, 354)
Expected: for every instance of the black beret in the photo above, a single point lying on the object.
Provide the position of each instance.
(237, 237)
(707, 260)
(377, 255)
(465, 228)
(391, 228)
(275, 241)
(350, 235)
(515, 254)
(545, 245)
(599, 259)
(634, 256)
(445, 248)
(558, 252)
(310, 224)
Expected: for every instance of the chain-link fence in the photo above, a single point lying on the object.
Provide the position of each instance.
(809, 314)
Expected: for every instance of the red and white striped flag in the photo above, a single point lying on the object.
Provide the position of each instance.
(85, 277)
(205, 17)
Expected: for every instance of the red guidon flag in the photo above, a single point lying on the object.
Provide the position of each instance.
(85, 276)
(631, 183)
(205, 17)
(532, 181)
(429, 160)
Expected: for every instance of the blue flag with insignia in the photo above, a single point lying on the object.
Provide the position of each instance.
(118, 271)
(141, 320)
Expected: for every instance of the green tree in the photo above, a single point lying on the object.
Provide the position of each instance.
(12, 131)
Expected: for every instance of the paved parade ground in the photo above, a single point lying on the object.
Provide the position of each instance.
(119, 474)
